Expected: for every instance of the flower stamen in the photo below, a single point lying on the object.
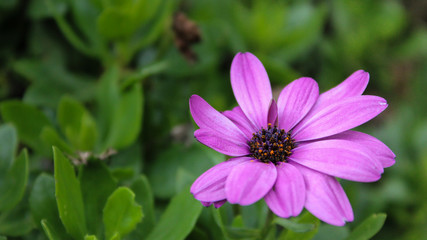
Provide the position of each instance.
(271, 145)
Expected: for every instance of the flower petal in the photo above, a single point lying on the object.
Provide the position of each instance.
(339, 158)
(216, 204)
(221, 143)
(287, 197)
(272, 113)
(353, 86)
(325, 198)
(209, 187)
(241, 121)
(339, 117)
(251, 87)
(250, 181)
(207, 117)
(295, 100)
(378, 149)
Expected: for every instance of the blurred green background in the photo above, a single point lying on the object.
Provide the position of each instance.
(133, 65)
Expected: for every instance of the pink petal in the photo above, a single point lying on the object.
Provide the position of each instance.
(272, 113)
(339, 117)
(287, 197)
(295, 100)
(325, 198)
(209, 187)
(221, 143)
(241, 121)
(207, 117)
(221, 129)
(251, 87)
(378, 149)
(206, 204)
(353, 86)
(339, 158)
(216, 204)
(250, 181)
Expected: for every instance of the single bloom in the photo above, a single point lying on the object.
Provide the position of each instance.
(289, 151)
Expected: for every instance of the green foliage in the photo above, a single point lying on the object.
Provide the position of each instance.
(77, 124)
(178, 219)
(16, 176)
(368, 228)
(94, 194)
(121, 213)
(305, 227)
(19, 114)
(144, 197)
(68, 196)
(43, 207)
(108, 84)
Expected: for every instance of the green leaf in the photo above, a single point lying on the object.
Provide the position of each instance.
(127, 119)
(13, 185)
(242, 233)
(50, 79)
(19, 114)
(121, 213)
(43, 206)
(50, 231)
(173, 167)
(90, 237)
(144, 197)
(368, 228)
(77, 124)
(51, 138)
(3, 238)
(294, 226)
(38, 9)
(107, 97)
(68, 196)
(95, 195)
(326, 231)
(17, 222)
(178, 219)
(116, 23)
(8, 145)
(85, 14)
(306, 218)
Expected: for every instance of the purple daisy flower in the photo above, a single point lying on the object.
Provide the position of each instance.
(289, 152)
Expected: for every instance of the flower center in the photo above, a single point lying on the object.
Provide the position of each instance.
(271, 145)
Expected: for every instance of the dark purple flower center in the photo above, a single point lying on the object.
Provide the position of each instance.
(271, 145)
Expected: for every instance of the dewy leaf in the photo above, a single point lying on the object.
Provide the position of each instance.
(8, 144)
(178, 219)
(121, 213)
(97, 184)
(43, 205)
(144, 197)
(127, 119)
(368, 228)
(28, 131)
(77, 124)
(13, 186)
(68, 196)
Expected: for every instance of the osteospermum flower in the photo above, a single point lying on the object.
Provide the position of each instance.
(290, 152)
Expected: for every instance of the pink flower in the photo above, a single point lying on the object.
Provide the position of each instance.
(289, 152)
